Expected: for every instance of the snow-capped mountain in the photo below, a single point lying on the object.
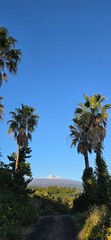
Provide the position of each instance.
(53, 180)
(53, 177)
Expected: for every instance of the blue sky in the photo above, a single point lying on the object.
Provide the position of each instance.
(66, 52)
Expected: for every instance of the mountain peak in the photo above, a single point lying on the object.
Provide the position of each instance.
(53, 177)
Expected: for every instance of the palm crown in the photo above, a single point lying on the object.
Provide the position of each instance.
(23, 123)
(89, 124)
(9, 55)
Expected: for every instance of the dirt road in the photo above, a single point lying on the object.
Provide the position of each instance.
(54, 228)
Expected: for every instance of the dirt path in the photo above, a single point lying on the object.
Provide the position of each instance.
(54, 228)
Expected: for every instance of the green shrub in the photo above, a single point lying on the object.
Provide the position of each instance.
(96, 224)
(80, 203)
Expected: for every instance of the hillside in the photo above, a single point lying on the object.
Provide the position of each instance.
(55, 181)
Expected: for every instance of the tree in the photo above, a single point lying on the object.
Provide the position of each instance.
(9, 55)
(23, 123)
(102, 177)
(79, 138)
(89, 130)
(91, 118)
(79, 131)
(21, 178)
(95, 119)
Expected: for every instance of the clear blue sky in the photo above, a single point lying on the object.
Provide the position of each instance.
(66, 46)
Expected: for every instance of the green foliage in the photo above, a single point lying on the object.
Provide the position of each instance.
(102, 177)
(88, 185)
(96, 224)
(89, 125)
(86, 199)
(96, 187)
(14, 213)
(8, 218)
(15, 203)
(5, 176)
(9, 55)
(23, 123)
(80, 203)
(21, 178)
(54, 200)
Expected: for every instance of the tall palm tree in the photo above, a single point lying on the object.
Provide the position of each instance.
(23, 123)
(90, 119)
(9, 55)
(95, 119)
(79, 138)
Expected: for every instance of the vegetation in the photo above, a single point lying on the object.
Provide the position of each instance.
(54, 200)
(9, 55)
(22, 124)
(89, 131)
(92, 207)
(15, 202)
(89, 125)
(95, 223)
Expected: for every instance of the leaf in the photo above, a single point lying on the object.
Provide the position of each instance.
(0, 79)
(5, 77)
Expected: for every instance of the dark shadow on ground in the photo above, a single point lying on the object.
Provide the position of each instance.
(48, 206)
(56, 221)
(59, 227)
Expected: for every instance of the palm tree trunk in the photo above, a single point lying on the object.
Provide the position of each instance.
(17, 159)
(86, 160)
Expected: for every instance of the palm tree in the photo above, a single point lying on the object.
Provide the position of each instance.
(92, 116)
(79, 138)
(98, 119)
(9, 55)
(23, 123)
(90, 119)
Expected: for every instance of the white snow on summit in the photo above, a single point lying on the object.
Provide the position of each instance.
(53, 177)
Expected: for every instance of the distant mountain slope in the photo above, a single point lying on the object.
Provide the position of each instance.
(54, 181)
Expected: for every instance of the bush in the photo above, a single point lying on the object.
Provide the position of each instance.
(15, 214)
(87, 198)
(80, 203)
(96, 224)
(8, 220)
